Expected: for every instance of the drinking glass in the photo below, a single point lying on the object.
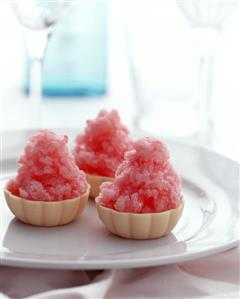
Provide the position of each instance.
(171, 74)
(207, 18)
(38, 18)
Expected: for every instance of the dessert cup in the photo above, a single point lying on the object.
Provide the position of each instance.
(46, 213)
(139, 226)
(95, 182)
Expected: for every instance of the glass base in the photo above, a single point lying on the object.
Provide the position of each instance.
(172, 119)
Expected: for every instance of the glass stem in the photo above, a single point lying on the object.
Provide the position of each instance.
(35, 80)
(206, 44)
(36, 43)
(205, 98)
(136, 89)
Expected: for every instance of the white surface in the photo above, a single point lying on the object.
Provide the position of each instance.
(209, 223)
(174, 33)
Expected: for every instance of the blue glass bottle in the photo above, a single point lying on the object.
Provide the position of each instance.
(75, 63)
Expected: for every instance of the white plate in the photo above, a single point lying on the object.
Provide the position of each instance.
(209, 223)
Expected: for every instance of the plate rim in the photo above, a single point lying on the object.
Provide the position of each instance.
(120, 264)
(82, 263)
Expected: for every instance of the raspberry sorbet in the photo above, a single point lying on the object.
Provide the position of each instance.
(100, 149)
(145, 182)
(47, 170)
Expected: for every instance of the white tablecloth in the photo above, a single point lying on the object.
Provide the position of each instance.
(212, 277)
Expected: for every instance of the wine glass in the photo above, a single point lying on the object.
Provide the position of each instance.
(37, 18)
(207, 18)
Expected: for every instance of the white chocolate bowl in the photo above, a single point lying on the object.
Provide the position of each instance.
(46, 213)
(95, 181)
(139, 226)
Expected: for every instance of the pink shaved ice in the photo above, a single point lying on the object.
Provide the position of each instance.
(145, 182)
(47, 170)
(100, 149)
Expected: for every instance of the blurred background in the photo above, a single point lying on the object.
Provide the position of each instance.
(171, 68)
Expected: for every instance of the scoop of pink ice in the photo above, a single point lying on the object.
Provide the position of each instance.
(100, 149)
(47, 170)
(145, 182)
